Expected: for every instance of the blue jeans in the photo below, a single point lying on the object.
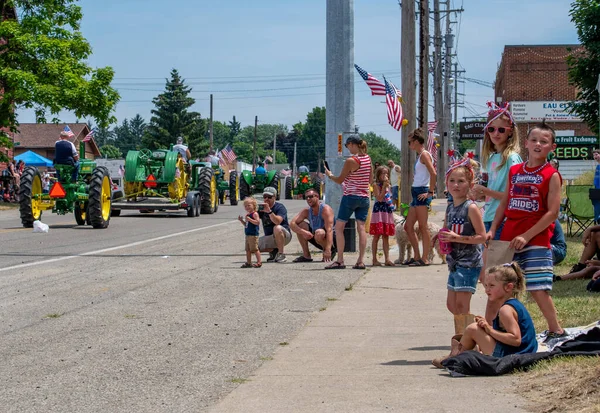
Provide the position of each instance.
(488, 225)
(415, 191)
(359, 205)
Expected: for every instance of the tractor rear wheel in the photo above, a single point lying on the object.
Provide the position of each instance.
(99, 198)
(276, 183)
(288, 187)
(244, 189)
(31, 185)
(80, 213)
(234, 188)
(207, 186)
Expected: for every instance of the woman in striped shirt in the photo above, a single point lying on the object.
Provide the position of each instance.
(355, 179)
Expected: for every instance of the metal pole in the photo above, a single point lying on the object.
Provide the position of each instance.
(294, 165)
(455, 125)
(254, 148)
(408, 66)
(449, 39)
(211, 122)
(438, 95)
(339, 95)
(274, 146)
(423, 63)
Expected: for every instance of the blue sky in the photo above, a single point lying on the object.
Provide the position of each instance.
(267, 57)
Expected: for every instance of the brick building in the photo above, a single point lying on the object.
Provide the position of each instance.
(535, 80)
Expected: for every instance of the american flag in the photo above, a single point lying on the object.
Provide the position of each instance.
(431, 142)
(228, 154)
(69, 131)
(89, 136)
(376, 86)
(269, 159)
(457, 225)
(394, 108)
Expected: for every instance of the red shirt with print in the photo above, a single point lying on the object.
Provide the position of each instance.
(528, 202)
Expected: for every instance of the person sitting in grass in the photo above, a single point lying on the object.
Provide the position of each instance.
(586, 267)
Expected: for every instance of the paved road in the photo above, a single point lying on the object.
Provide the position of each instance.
(152, 314)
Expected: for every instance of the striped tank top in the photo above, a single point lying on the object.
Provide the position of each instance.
(357, 182)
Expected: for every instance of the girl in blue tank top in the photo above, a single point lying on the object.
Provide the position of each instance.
(512, 331)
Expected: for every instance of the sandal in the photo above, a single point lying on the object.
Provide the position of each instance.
(302, 258)
(418, 263)
(336, 265)
(359, 266)
(389, 264)
(408, 262)
(246, 265)
(257, 265)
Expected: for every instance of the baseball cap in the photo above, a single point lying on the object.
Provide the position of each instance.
(353, 139)
(180, 140)
(270, 191)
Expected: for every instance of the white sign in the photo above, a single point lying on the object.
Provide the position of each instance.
(552, 111)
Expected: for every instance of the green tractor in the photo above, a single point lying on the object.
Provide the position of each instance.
(302, 183)
(252, 183)
(89, 197)
(232, 185)
(160, 180)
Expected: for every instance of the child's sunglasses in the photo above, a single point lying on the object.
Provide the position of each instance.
(492, 129)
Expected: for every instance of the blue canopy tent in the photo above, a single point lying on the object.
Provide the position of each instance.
(33, 159)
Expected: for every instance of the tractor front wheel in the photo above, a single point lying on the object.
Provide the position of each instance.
(244, 189)
(29, 207)
(288, 187)
(99, 198)
(234, 188)
(80, 213)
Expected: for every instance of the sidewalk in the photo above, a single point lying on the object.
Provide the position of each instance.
(371, 351)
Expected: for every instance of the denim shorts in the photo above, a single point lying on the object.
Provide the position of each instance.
(415, 191)
(359, 205)
(394, 193)
(488, 225)
(464, 279)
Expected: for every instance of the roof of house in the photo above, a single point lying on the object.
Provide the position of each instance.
(45, 135)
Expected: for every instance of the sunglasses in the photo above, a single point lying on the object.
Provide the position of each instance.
(267, 196)
(310, 196)
(492, 129)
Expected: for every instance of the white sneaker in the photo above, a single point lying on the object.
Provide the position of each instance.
(280, 258)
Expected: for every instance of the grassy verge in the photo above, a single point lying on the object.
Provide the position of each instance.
(569, 384)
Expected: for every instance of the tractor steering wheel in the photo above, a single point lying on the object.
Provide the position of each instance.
(145, 154)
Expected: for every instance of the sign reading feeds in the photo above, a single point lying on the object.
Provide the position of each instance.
(575, 147)
(552, 111)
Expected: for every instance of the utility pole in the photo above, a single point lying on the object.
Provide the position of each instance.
(274, 146)
(294, 165)
(446, 136)
(455, 125)
(254, 149)
(408, 65)
(423, 63)
(438, 95)
(211, 122)
(339, 93)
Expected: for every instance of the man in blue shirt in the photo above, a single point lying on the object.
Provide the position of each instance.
(65, 153)
(260, 169)
(276, 227)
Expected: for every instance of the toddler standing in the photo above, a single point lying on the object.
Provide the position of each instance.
(251, 223)
(382, 218)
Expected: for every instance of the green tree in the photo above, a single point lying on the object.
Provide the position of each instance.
(128, 136)
(380, 149)
(234, 127)
(311, 142)
(103, 135)
(110, 152)
(584, 66)
(43, 65)
(171, 118)
(221, 135)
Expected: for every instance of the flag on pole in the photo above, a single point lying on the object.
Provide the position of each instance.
(269, 159)
(89, 136)
(228, 154)
(377, 87)
(394, 108)
(432, 142)
(69, 131)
